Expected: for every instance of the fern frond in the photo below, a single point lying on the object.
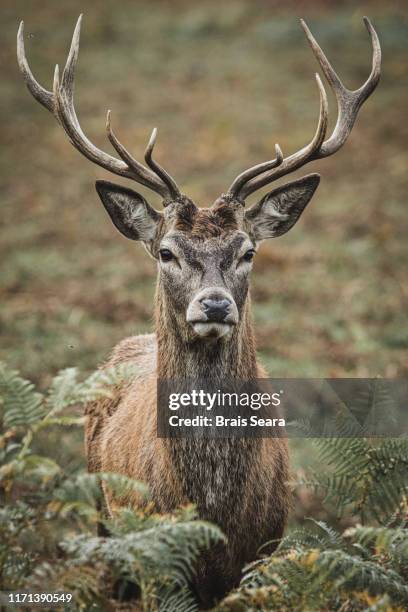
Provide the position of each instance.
(353, 573)
(171, 599)
(66, 390)
(80, 493)
(343, 454)
(167, 550)
(332, 538)
(20, 403)
(383, 539)
(122, 486)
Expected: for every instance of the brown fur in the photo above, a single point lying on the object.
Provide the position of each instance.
(240, 484)
(206, 223)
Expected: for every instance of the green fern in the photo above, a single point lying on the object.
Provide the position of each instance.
(80, 493)
(368, 478)
(46, 509)
(66, 389)
(160, 560)
(167, 549)
(383, 538)
(20, 403)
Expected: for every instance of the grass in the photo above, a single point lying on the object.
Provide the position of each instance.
(222, 84)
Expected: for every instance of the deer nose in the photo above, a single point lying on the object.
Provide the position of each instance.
(216, 310)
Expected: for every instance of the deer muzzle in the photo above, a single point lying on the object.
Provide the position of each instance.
(212, 313)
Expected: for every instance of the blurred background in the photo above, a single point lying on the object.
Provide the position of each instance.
(223, 82)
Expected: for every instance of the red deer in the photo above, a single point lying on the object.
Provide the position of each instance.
(203, 321)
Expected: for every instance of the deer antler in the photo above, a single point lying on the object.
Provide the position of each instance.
(348, 103)
(60, 102)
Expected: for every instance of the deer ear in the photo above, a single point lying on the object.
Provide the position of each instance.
(279, 210)
(129, 211)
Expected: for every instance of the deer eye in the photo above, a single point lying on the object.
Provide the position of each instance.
(249, 255)
(166, 255)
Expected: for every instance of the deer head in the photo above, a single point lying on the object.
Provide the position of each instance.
(205, 255)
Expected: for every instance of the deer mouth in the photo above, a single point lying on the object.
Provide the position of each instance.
(212, 330)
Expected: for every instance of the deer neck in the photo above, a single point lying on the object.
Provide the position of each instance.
(215, 497)
(180, 357)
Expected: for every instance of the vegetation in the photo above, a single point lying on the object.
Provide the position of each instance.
(223, 83)
(324, 567)
(48, 519)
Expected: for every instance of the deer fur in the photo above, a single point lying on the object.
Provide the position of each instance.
(240, 484)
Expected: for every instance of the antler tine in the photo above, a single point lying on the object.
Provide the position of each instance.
(43, 96)
(372, 81)
(165, 176)
(60, 102)
(348, 103)
(298, 159)
(67, 81)
(139, 168)
(245, 176)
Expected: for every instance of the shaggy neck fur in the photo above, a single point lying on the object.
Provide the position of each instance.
(181, 357)
(212, 472)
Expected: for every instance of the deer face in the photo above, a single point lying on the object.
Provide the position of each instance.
(206, 280)
(205, 255)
